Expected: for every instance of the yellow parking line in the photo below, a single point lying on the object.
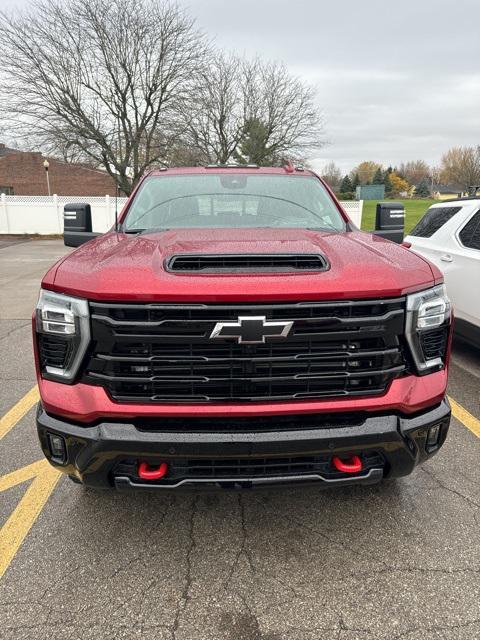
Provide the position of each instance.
(16, 528)
(43, 479)
(465, 417)
(17, 412)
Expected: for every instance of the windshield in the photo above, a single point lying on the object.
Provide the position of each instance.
(232, 201)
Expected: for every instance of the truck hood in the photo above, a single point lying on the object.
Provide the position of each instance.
(118, 266)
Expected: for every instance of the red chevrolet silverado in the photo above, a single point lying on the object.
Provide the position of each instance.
(235, 329)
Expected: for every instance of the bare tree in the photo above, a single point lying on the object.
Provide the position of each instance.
(415, 171)
(461, 166)
(332, 175)
(288, 109)
(253, 111)
(101, 80)
(214, 122)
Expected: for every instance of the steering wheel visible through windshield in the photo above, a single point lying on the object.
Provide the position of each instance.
(229, 200)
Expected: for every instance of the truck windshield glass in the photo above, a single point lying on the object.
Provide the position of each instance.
(232, 201)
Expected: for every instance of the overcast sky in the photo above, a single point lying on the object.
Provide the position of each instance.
(396, 80)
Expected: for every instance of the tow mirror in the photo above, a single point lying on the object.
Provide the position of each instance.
(390, 221)
(77, 224)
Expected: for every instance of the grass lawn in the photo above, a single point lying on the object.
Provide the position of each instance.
(414, 210)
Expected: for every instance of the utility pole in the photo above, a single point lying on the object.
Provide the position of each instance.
(46, 165)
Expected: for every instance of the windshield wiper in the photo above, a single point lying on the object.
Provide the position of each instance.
(326, 228)
(148, 230)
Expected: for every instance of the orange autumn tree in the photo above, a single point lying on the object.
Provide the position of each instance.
(399, 185)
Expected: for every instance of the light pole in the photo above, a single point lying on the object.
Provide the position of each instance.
(46, 164)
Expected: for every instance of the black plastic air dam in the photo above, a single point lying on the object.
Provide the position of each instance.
(93, 453)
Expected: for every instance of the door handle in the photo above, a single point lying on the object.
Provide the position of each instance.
(446, 257)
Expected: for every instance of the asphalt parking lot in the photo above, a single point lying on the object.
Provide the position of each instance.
(397, 560)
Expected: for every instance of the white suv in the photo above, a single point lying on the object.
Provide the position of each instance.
(449, 236)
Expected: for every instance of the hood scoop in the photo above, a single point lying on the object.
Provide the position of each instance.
(247, 263)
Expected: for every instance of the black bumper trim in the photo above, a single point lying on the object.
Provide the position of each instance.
(93, 452)
(373, 476)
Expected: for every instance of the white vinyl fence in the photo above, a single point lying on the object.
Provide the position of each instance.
(354, 208)
(43, 215)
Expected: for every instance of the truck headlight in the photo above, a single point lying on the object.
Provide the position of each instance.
(427, 326)
(63, 334)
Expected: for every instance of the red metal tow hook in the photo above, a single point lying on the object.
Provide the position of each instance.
(146, 472)
(353, 464)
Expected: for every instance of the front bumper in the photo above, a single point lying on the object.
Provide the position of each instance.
(107, 454)
(85, 403)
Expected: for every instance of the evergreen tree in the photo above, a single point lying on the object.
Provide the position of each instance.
(346, 186)
(355, 182)
(378, 177)
(423, 189)
(253, 147)
(387, 183)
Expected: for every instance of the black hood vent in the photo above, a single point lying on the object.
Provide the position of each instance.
(247, 263)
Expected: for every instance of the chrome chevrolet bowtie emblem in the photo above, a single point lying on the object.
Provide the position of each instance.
(251, 330)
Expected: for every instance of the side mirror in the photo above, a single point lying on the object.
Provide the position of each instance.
(390, 221)
(77, 224)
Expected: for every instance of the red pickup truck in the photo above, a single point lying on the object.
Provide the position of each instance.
(235, 329)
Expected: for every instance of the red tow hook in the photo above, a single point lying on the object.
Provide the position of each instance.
(146, 472)
(352, 465)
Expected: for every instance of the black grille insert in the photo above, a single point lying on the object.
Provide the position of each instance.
(252, 424)
(54, 351)
(232, 263)
(434, 343)
(163, 353)
(231, 468)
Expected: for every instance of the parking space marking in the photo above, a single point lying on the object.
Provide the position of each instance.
(17, 412)
(44, 479)
(465, 417)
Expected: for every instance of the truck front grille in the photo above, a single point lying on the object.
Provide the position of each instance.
(164, 353)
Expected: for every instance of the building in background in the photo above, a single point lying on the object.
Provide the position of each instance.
(370, 192)
(448, 191)
(22, 173)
